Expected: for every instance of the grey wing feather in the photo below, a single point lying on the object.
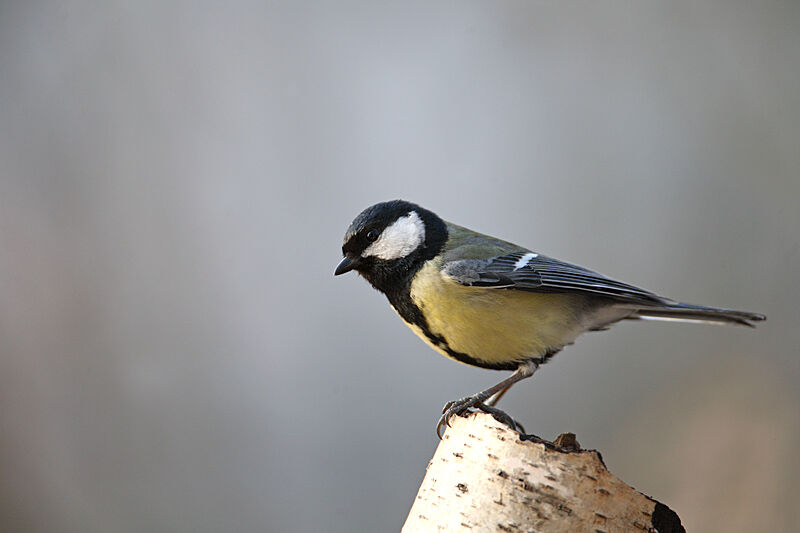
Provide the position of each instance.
(476, 273)
(544, 274)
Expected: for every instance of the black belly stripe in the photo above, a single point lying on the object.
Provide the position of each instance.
(411, 313)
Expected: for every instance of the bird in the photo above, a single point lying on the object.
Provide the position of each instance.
(486, 302)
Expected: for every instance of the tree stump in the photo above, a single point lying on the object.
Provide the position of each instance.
(486, 477)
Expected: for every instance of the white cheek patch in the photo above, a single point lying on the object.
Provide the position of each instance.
(524, 260)
(399, 239)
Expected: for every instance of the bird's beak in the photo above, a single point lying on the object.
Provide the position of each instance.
(346, 265)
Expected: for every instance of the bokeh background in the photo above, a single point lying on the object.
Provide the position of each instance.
(175, 182)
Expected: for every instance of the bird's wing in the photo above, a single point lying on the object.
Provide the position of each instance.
(528, 271)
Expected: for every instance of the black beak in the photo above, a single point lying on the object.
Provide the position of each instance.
(346, 265)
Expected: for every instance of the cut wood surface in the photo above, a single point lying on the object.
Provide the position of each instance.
(486, 477)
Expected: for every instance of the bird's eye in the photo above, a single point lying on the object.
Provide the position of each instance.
(372, 235)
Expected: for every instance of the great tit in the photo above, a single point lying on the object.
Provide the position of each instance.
(489, 303)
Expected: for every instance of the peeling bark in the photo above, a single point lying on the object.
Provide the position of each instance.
(487, 477)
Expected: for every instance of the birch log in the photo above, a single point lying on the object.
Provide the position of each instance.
(487, 477)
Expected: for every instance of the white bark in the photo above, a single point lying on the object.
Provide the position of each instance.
(484, 477)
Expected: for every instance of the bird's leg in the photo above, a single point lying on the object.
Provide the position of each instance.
(459, 407)
(492, 401)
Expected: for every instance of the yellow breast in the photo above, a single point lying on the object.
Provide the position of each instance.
(494, 325)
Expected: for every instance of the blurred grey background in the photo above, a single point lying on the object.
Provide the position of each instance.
(175, 182)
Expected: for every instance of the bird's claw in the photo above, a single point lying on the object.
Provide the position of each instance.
(501, 416)
(462, 406)
(451, 403)
(453, 408)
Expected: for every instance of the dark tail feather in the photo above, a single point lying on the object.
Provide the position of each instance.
(697, 313)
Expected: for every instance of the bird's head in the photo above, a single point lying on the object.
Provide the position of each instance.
(388, 242)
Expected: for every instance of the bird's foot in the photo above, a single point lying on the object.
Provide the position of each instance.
(462, 407)
(453, 408)
(501, 416)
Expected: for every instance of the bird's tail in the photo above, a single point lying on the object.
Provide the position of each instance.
(697, 313)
